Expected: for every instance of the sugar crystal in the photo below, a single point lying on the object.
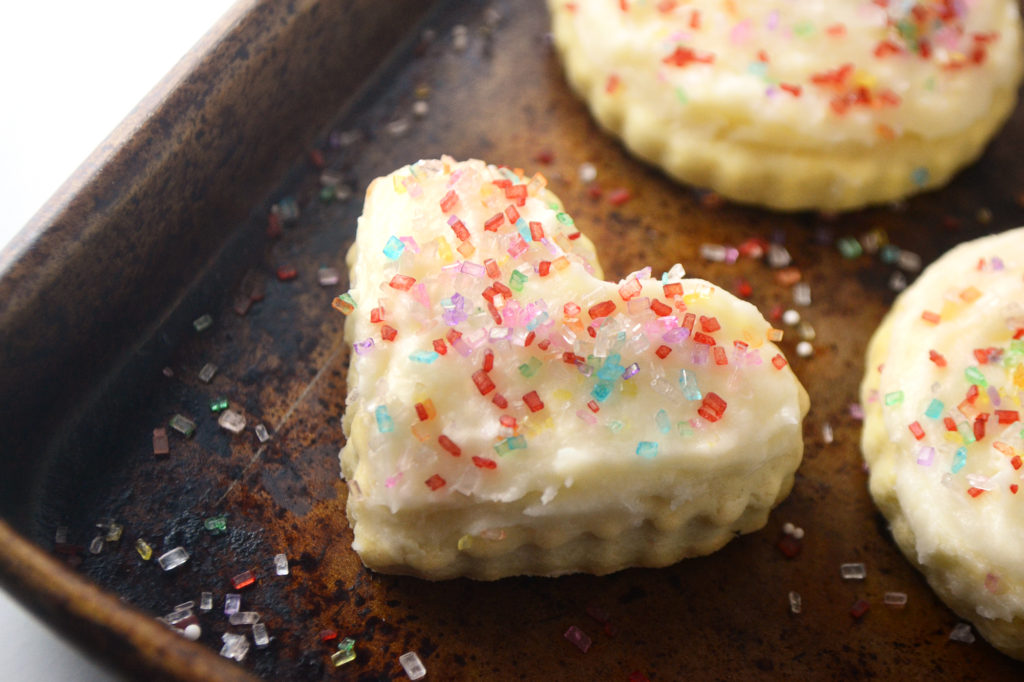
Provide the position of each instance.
(231, 421)
(962, 633)
(207, 372)
(327, 277)
(235, 646)
(281, 564)
(795, 602)
(412, 665)
(578, 638)
(96, 546)
(203, 322)
(897, 600)
(232, 603)
(853, 571)
(262, 434)
(244, 618)
(206, 601)
(259, 635)
(183, 425)
(172, 559)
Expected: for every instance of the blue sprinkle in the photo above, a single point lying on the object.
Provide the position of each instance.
(393, 249)
(959, 459)
(537, 321)
(646, 448)
(920, 176)
(601, 391)
(524, 230)
(385, 424)
(663, 422)
(934, 410)
(688, 384)
(516, 442)
(424, 356)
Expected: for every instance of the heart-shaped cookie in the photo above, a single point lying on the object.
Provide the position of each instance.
(509, 412)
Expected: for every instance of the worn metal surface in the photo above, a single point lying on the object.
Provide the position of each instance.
(283, 364)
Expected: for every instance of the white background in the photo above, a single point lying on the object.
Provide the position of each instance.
(69, 72)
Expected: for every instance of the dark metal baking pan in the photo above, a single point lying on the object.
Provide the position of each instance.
(169, 221)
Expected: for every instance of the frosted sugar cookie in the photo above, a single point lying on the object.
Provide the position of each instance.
(511, 413)
(797, 105)
(943, 433)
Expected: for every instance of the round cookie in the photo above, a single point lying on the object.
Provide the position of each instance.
(815, 104)
(943, 434)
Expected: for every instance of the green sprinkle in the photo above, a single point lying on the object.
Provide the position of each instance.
(685, 430)
(564, 218)
(894, 398)
(849, 247)
(663, 422)
(219, 405)
(528, 369)
(615, 425)
(804, 29)
(920, 176)
(327, 195)
(681, 96)
(966, 432)
(975, 376)
(889, 254)
(516, 280)
(216, 524)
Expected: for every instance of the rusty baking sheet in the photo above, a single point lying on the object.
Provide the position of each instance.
(500, 96)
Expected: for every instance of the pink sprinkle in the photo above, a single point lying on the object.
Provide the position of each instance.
(410, 244)
(586, 416)
(419, 292)
(517, 246)
(741, 32)
(856, 411)
(579, 638)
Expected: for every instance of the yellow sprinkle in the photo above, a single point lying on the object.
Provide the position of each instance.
(629, 388)
(560, 263)
(562, 395)
(399, 186)
(444, 251)
(465, 542)
(970, 295)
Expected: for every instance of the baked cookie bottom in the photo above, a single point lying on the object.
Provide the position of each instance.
(492, 540)
(836, 178)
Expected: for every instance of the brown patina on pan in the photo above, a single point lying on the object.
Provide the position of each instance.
(168, 221)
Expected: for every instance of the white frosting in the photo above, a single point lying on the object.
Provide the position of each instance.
(977, 293)
(568, 465)
(931, 88)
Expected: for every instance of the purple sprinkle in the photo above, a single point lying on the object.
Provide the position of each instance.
(856, 411)
(732, 254)
(578, 638)
(363, 347)
(699, 356)
(997, 263)
(473, 269)
(631, 371)
(676, 335)
(993, 395)
(925, 455)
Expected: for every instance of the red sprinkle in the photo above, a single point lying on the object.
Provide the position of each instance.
(449, 200)
(512, 213)
(488, 360)
(974, 492)
(377, 315)
(484, 463)
(388, 333)
(448, 445)
(533, 401)
(440, 347)
(1007, 416)
(603, 309)
(937, 358)
(536, 231)
(701, 337)
(544, 268)
(779, 361)
(859, 609)
(660, 309)
(673, 289)
(915, 428)
(684, 56)
(499, 400)
(594, 407)
(435, 482)
(494, 222)
(483, 382)
(709, 324)
(663, 352)
(459, 228)
(619, 196)
(402, 282)
(493, 271)
(930, 317)
(720, 357)
(286, 274)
